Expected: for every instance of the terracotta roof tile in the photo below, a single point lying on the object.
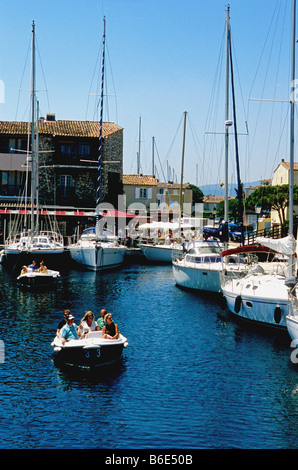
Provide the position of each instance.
(173, 185)
(144, 180)
(287, 165)
(61, 128)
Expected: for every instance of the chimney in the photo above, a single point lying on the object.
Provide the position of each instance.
(50, 117)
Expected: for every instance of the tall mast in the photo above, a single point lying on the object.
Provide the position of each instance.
(37, 166)
(227, 122)
(182, 167)
(152, 156)
(32, 127)
(139, 152)
(292, 127)
(100, 127)
(239, 184)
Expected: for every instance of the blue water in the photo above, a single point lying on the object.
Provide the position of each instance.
(191, 377)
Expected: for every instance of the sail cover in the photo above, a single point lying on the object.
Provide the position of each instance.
(286, 245)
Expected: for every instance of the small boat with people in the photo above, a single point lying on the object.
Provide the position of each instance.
(86, 346)
(36, 277)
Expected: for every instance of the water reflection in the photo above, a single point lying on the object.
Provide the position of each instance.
(108, 377)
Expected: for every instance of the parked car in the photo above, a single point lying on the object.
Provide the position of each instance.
(234, 231)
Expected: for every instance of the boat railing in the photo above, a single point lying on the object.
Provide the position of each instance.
(53, 236)
(24, 237)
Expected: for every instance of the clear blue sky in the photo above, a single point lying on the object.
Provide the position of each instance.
(164, 57)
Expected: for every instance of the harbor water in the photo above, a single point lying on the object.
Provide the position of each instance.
(191, 378)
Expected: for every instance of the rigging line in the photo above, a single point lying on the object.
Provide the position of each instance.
(172, 143)
(235, 63)
(161, 167)
(216, 82)
(275, 91)
(286, 120)
(263, 50)
(92, 79)
(42, 71)
(113, 83)
(196, 148)
(258, 113)
(213, 110)
(26, 61)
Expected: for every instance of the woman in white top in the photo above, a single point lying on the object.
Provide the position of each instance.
(87, 324)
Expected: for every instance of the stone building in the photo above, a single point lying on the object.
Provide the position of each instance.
(68, 163)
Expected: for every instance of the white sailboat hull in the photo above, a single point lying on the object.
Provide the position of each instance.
(97, 257)
(48, 246)
(260, 299)
(160, 253)
(292, 325)
(205, 278)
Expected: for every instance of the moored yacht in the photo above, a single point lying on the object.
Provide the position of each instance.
(97, 253)
(261, 296)
(201, 265)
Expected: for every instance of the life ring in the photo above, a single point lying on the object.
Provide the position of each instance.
(238, 302)
(277, 314)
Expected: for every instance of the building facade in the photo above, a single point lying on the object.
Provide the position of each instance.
(67, 163)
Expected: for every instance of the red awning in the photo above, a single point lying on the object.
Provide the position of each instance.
(116, 213)
(108, 213)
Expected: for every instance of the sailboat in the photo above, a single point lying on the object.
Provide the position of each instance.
(170, 244)
(94, 250)
(292, 317)
(200, 266)
(262, 296)
(28, 243)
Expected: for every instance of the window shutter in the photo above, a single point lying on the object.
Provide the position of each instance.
(137, 193)
(149, 193)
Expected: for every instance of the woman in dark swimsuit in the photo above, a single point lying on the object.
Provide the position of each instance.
(110, 329)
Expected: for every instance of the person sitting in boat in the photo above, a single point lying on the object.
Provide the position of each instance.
(69, 331)
(24, 270)
(87, 324)
(33, 266)
(43, 269)
(110, 330)
(62, 322)
(100, 321)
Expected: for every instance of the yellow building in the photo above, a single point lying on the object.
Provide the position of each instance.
(140, 189)
(282, 176)
(148, 193)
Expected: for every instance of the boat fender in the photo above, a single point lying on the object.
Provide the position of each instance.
(238, 302)
(56, 348)
(125, 344)
(277, 314)
(222, 301)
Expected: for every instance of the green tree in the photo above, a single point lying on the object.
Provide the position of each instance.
(232, 209)
(272, 198)
(197, 194)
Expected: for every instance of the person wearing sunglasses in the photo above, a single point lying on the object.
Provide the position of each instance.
(62, 322)
(110, 329)
(87, 324)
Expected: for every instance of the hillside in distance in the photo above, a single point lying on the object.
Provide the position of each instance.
(216, 190)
